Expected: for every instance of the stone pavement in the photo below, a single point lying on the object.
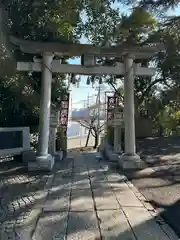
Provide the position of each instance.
(88, 201)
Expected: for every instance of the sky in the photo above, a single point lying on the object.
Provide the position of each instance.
(84, 90)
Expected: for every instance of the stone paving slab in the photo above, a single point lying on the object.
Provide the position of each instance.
(80, 169)
(100, 182)
(59, 202)
(99, 178)
(51, 226)
(81, 200)
(144, 226)
(83, 226)
(114, 225)
(95, 172)
(82, 184)
(61, 184)
(114, 177)
(80, 176)
(127, 198)
(105, 200)
(101, 186)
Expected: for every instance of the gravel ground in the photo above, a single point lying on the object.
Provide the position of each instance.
(20, 191)
(160, 181)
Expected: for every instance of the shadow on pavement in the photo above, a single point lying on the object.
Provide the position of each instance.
(79, 220)
(160, 181)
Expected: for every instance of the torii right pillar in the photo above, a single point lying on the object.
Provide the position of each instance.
(129, 160)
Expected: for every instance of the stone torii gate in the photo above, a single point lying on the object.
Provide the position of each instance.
(88, 67)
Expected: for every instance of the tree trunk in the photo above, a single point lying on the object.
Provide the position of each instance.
(161, 131)
(123, 140)
(87, 140)
(96, 141)
(58, 145)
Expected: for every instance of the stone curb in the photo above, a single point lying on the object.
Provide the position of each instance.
(38, 209)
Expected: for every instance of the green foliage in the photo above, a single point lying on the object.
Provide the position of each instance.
(159, 94)
(20, 92)
(68, 21)
(101, 24)
(164, 4)
(169, 120)
(135, 29)
(60, 133)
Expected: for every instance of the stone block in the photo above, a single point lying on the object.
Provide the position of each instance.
(98, 156)
(58, 156)
(69, 156)
(114, 157)
(28, 156)
(41, 163)
(131, 161)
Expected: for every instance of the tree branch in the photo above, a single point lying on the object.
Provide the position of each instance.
(101, 127)
(149, 88)
(113, 86)
(93, 133)
(86, 125)
(116, 91)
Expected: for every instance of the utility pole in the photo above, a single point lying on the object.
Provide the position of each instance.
(82, 129)
(98, 110)
(89, 130)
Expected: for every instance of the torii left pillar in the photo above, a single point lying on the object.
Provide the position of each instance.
(44, 159)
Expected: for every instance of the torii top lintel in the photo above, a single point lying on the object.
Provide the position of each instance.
(61, 49)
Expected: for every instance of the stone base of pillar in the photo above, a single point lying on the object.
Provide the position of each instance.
(44, 163)
(58, 156)
(131, 161)
(29, 156)
(114, 157)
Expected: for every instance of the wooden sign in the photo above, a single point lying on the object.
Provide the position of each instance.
(112, 102)
(64, 112)
(54, 118)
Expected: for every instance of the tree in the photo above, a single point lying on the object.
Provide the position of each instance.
(160, 8)
(89, 120)
(68, 21)
(20, 92)
(93, 128)
(133, 30)
(160, 92)
(65, 21)
(164, 4)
